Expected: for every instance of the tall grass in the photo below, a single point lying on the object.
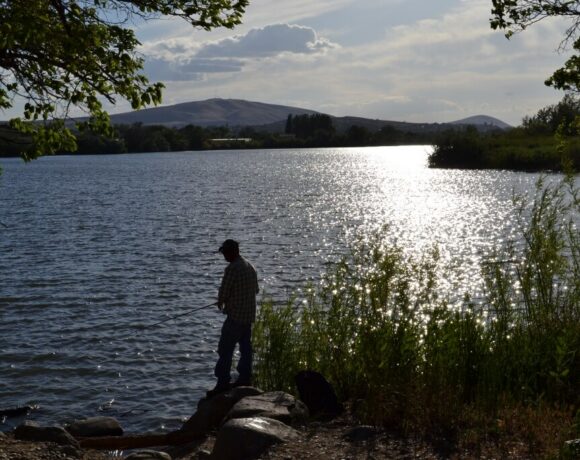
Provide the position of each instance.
(378, 330)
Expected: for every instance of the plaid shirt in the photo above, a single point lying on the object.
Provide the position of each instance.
(238, 291)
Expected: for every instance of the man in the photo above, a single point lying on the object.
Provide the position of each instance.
(236, 299)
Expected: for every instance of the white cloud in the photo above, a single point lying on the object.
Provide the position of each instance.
(159, 69)
(262, 12)
(268, 41)
(180, 60)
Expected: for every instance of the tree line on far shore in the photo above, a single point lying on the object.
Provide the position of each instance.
(315, 130)
(548, 140)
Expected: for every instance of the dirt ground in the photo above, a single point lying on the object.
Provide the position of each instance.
(11, 449)
(321, 440)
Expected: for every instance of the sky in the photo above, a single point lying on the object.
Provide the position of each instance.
(401, 60)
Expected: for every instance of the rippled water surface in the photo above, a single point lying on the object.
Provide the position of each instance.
(93, 248)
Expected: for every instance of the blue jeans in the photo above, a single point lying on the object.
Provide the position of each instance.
(232, 334)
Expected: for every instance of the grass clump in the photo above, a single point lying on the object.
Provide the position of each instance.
(378, 329)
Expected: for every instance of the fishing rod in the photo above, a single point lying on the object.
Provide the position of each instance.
(193, 310)
(106, 406)
(147, 326)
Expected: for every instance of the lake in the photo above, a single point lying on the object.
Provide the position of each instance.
(93, 248)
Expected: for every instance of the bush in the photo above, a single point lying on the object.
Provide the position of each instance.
(378, 330)
(459, 149)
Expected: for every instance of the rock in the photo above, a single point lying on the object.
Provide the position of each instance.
(317, 394)
(571, 450)
(276, 405)
(148, 455)
(16, 411)
(32, 432)
(247, 438)
(202, 454)
(94, 427)
(211, 411)
(235, 393)
(360, 433)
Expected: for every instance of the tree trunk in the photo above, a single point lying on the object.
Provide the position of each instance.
(138, 441)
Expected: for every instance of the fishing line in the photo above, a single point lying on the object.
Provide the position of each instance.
(172, 318)
(148, 326)
(108, 406)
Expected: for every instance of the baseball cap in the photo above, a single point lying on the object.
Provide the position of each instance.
(229, 245)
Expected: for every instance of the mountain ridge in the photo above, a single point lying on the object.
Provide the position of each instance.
(272, 117)
(212, 112)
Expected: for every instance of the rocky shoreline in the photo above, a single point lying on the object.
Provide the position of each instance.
(241, 424)
(245, 422)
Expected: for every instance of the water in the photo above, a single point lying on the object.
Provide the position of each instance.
(95, 247)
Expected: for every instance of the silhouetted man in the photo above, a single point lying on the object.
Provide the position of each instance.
(236, 299)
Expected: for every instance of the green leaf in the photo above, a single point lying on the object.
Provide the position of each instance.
(76, 54)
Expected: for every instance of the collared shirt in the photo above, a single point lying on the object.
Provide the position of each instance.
(238, 291)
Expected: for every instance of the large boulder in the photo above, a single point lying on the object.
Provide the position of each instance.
(95, 427)
(211, 411)
(248, 438)
(570, 450)
(16, 411)
(32, 432)
(274, 405)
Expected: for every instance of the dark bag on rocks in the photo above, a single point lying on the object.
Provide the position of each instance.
(317, 394)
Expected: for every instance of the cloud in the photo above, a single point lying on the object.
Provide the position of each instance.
(178, 60)
(188, 69)
(268, 41)
(265, 11)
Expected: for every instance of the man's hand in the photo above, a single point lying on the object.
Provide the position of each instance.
(220, 306)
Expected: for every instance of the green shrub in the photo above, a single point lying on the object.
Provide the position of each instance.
(378, 330)
(516, 149)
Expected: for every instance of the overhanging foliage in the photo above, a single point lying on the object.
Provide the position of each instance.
(60, 54)
(517, 15)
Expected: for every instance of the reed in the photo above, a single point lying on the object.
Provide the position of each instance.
(379, 330)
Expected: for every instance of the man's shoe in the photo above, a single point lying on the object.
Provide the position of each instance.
(219, 388)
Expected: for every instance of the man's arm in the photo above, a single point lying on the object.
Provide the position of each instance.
(225, 288)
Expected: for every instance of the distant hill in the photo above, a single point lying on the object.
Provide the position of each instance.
(272, 117)
(212, 112)
(482, 120)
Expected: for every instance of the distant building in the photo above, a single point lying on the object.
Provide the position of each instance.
(232, 139)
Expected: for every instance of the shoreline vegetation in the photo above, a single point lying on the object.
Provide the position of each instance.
(516, 149)
(546, 141)
(503, 369)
